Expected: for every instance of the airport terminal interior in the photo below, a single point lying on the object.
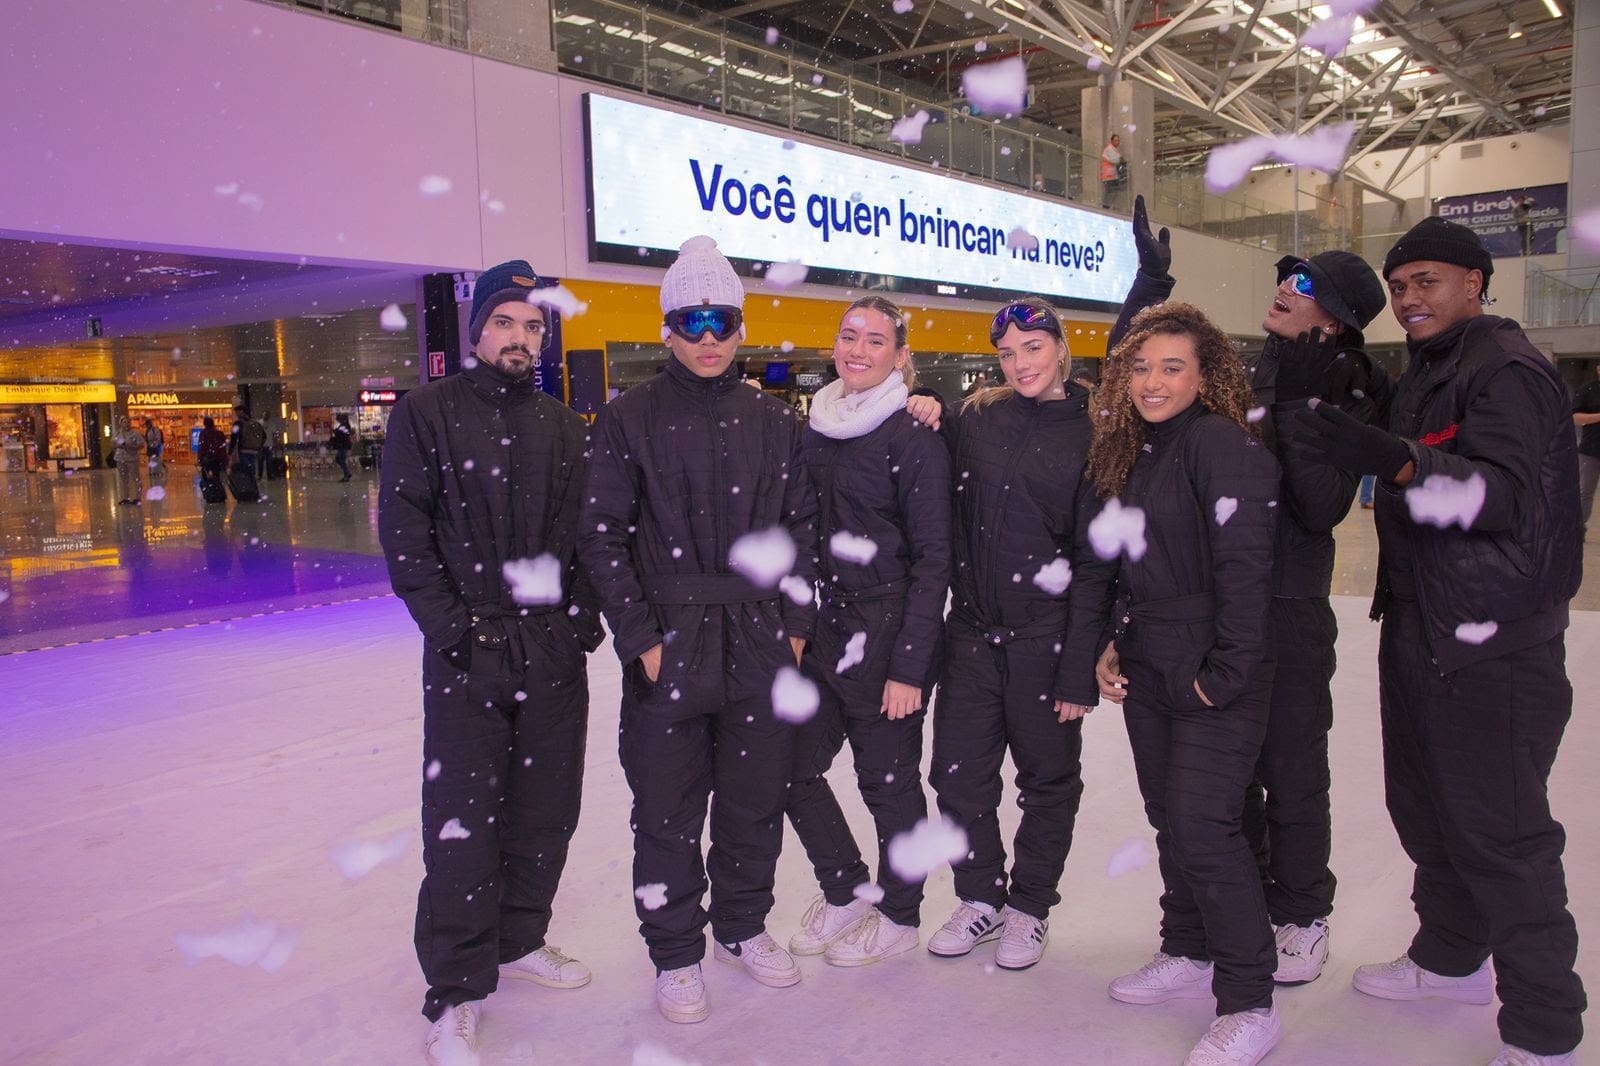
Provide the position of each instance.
(275, 210)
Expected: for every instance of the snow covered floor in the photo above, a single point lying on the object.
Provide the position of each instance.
(183, 782)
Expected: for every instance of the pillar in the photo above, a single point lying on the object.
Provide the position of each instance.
(1125, 108)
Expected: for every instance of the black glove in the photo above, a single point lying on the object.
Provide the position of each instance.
(1303, 365)
(1324, 434)
(1155, 253)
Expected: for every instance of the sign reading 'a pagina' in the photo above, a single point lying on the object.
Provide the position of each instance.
(657, 178)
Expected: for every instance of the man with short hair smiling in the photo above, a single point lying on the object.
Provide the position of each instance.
(1477, 516)
(483, 472)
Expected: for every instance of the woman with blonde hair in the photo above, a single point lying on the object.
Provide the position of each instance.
(1018, 669)
(1176, 455)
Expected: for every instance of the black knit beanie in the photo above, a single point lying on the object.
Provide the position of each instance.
(497, 285)
(1436, 240)
(1343, 283)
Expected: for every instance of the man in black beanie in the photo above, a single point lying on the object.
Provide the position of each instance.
(1477, 515)
(1314, 348)
(482, 481)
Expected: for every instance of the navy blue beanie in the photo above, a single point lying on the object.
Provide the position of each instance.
(508, 281)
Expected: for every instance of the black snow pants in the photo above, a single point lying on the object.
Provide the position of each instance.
(888, 759)
(1466, 761)
(1194, 763)
(1290, 829)
(994, 693)
(705, 730)
(502, 752)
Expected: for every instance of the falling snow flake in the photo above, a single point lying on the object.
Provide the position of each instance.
(868, 891)
(926, 847)
(1225, 507)
(652, 896)
(1443, 501)
(1000, 87)
(1131, 856)
(434, 185)
(764, 557)
(250, 943)
(794, 696)
(852, 548)
(855, 651)
(1021, 238)
(1117, 529)
(797, 589)
(909, 129)
(1054, 576)
(1476, 632)
(357, 858)
(1322, 149)
(536, 581)
(560, 299)
(454, 830)
(392, 319)
(786, 275)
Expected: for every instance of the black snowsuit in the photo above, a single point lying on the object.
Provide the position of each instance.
(1012, 647)
(1472, 720)
(683, 467)
(1193, 610)
(479, 471)
(891, 485)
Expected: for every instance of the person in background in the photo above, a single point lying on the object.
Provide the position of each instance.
(212, 450)
(1314, 348)
(1018, 671)
(478, 515)
(129, 449)
(1586, 416)
(686, 466)
(340, 440)
(1479, 554)
(1191, 662)
(1113, 172)
(154, 444)
(882, 477)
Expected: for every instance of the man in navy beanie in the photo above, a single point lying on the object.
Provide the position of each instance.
(1314, 348)
(1479, 554)
(482, 481)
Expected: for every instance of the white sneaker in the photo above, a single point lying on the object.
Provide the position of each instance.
(453, 1040)
(873, 939)
(681, 995)
(1022, 943)
(970, 925)
(1511, 1055)
(1302, 949)
(1241, 1039)
(548, 967)
(1404, 979)
(1163, 978)
(764, 960)
(824, 923)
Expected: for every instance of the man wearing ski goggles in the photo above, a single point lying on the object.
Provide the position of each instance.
(692, 323)
(1029, 317)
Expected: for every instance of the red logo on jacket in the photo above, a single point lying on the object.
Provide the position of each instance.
(1435, 439)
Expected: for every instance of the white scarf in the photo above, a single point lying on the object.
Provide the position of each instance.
(841, 415)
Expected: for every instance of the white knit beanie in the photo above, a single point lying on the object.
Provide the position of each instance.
(701, 276)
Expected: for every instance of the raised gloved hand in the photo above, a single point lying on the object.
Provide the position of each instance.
(1324, 434)
(1155, 252)
(1303, 365)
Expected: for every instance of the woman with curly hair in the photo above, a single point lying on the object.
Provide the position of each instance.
(1018, 668)
(1190, 664)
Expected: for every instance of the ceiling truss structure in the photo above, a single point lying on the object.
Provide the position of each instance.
(1416, 74)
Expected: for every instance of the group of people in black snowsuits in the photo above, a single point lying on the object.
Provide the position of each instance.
(1164, 543)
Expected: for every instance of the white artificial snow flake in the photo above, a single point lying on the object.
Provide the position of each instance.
(772, 35)
(1331, 36)
(357, 858)
(909, 129)
(855, 651)
(1476, 632)
(852, 548)
(1322, 149)
(155, 493)
(1587, 228)
(1021, 238)
(797, 589)
(251, 200)
(868, 891)
(998, 88)
(250, 943)
(230, 189)
(785, 275)
(454, 830)
(1054, 576)
(653, 895)
(434, 185)
(903, 6)
(536, 581)
(1255, 414)
(1443, 501)
(794, 696)
(1117, 529)
(1226, 505)
(433, 770)
(926, 847)
(764, 557)
(649, 1053)
(392, 319)
(1132, 855)
(560, 298)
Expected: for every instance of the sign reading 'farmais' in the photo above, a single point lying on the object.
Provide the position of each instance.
(657, 178)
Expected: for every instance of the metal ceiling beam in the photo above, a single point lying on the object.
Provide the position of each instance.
(1464, 131)
(1125, 57)
(1385, 13)
(1427, 128)
(1396, 62)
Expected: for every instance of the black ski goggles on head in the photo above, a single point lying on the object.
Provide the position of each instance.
(1028, 317)
(692, 323)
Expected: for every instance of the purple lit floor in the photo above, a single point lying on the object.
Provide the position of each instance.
(180, 782)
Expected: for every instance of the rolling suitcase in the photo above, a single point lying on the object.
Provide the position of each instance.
(211, 488)
(242, 481)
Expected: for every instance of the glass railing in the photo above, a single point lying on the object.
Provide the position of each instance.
(1564, 297)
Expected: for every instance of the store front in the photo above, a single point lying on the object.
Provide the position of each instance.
(180, 414)
(53, 427)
